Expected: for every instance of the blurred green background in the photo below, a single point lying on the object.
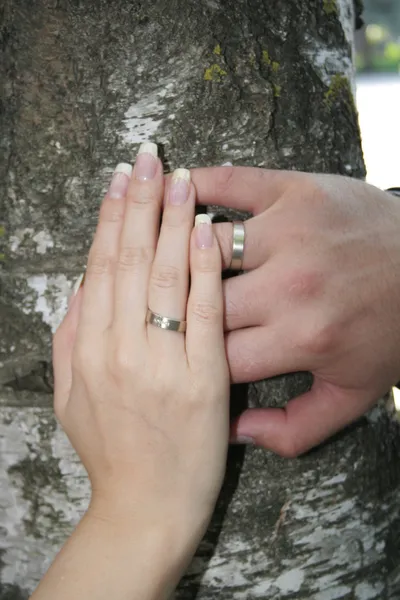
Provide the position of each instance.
(378, 42)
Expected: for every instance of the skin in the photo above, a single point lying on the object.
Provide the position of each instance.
(144, 407)
(147, 410)
(320, 293)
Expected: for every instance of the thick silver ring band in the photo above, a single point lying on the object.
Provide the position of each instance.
(164, 322)
(237, 246)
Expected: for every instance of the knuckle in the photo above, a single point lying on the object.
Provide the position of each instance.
(142, 196)
(251, 361)
(313, 192)
(290, 448)
(132, 259)
(224, 181)
(233, 312)
(165, 276)
(207, 262)
(320, 339)
(305, 191)
(319, 197)
(84, 360)
(111, 211)
(175, 219)
(120, 359)
(224, 240)
(99, 262)
(304, 283)
(206, 311)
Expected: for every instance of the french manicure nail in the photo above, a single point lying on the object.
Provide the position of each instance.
(179, 189)
(120, 181)
(78, 283)
(227, 164)
(75, 288)
(146, 161)
(204, 233)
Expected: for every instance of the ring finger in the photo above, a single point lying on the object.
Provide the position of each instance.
(169, 279)
(258, 242)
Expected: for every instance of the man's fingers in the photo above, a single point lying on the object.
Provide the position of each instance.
(245, 302)
(258, 243)
(248, 189)
(305, 422)
(257, 353)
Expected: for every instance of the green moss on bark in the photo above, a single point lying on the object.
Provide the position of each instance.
(214, 73)
(339, 90)
(330, 7)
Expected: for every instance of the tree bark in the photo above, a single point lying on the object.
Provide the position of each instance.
(250, 81)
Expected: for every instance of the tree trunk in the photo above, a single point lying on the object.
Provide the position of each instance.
(250, 81)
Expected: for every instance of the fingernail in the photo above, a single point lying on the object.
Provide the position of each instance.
(75, 288)
(227, 164)
(204, 234)
(78, 283)
(120, 181)
(146, 161)
(179, 189)
(243, 439)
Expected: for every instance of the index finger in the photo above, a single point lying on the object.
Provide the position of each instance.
(250, 189)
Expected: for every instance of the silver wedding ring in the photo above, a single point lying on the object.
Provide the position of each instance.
(237, 246)
(165, 322)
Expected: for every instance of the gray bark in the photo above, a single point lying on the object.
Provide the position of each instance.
(254, 82)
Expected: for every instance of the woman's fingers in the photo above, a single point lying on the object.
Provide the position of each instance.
(62, 348)
(97, 301)
(244, 188)
(204, 335)
(305, 422)
(138, 242)
(169, 280)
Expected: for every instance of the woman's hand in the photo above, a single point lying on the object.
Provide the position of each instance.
(146, 408)
(321, 294)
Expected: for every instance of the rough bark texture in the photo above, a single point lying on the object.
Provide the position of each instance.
(251, 81)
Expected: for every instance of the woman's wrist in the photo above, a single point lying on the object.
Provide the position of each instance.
(155, 566)
(176, 520)
(170, 540)
(112, 556)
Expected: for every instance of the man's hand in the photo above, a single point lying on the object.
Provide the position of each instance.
(321, 293)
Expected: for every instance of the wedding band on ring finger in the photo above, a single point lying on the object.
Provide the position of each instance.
(164, 322)
(237, 246)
